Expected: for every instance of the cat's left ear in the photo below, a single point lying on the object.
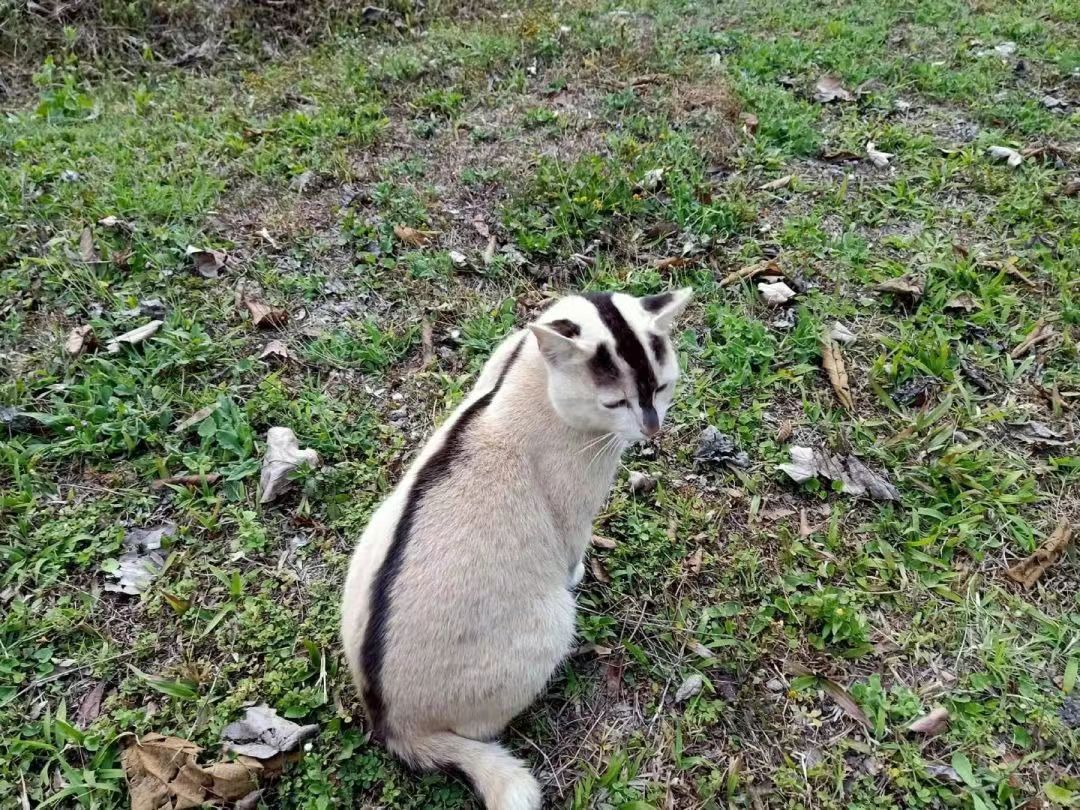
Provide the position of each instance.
(666, 307)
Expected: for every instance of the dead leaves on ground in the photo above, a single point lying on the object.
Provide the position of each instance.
(829, 89)
(931, 724)
(263, 734)
(264, 316)
(207, 262)
(907, 287)
(133, 337)
(413, 237)
(283, 456)
(835, 691)
(1029, 570)
(855, 477)
(163, 772)
(142, 560)
(750, 271)
(79, 340)
(832, 359)
(1041, 333)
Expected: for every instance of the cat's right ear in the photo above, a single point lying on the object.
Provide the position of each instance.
(559, 344)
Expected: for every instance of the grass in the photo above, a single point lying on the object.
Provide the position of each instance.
(595, 144)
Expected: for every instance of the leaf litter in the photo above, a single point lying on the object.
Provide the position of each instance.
(133, 337)
(832, 359)
(719, 448)
(855, 477)
(263, 734)
(283, 456)
(79, 340)
(142, 560)
(207, 262)
(829, 89)
(1031, 569)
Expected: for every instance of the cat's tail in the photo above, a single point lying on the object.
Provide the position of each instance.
(502, 781)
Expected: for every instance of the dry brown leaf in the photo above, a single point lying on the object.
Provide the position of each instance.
(207, 262)
(1028, 571)
(1071, 188)
(599, 572)
(845, 701)
(778, 183)
(80, 339)
(163, 773)
(277, 351)
(134, 337)
(191, 481)
(672, 263)
(1010, 267)
(751, 270)
(804, 525)
(1041, 333)
(964, 301)
(427, 341)
(931, 724)
(783, 433)
(90, 706)
(264, 316)
(775, 294)
(833, 361)
(481, 226)
(86, 246)
(411, 236)
(749, 123)
(693, 561)
(909, 286)
(829, 89)
(606, 543)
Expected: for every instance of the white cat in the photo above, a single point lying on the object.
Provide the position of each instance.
(458, 605)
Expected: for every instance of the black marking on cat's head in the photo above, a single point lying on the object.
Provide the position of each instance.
(659, 348)
(565, 327)
(603, 368)
(655, 303)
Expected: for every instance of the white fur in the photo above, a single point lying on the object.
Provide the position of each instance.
(482, 613)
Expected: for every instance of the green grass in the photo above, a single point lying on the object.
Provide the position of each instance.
(592, 143)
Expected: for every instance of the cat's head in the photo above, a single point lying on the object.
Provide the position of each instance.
(611, 365)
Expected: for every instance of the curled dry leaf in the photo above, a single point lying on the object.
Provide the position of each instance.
(748, 272)
(141, 561)
(79, 340)
(261, 733)
(641, 483)
(283, 456)
(134, 337)
(163, 773)
(672, 263)
(489, 252)
(481, 227)
(964, 301)
(693, 562)
(275, 351)
(878, 158)
(599, 572)
(1010, 156)
(411, 236)
(715, 447)
(1041, 333)
(605, 543)
(87, 252)
(833, 361)
(1028, 571)
(841, 334)
(264, 316)
(931, 724)
(90, 706)
(907, 286)
(1038, 433)
(778, 183)
(691, 685)
(207, 262)
(855, 477)
(776, 294)
(829, 89)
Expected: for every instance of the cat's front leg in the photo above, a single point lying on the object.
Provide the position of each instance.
(577, 573)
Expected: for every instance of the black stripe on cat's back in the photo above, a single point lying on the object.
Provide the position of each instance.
(627, 346)
(435, 470)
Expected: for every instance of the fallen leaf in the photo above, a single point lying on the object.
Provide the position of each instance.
(266, 316)
(276, 351)
(976, 376)
(163, 774)
(141, 561)
(1041, 333)
(715, 447)
(829, 89)
(691, 685)
(700, 650)
(613, 676)
(427, 341)
(845, 701)
(693, 561)
(1028, 571)
(458, 259)
(964, 301)
(842, 156)
(778, 183)
(833, 361)
(207, 262)
(265, 234)
(196, 417)
(945, 773)
(90, 706)
(411, 236)
(916, 391)
(599, 541)
(262, 734)
(599, 572)
(641, 483)
(86, 246)
(748, 272)
(283, 456)
(783, 433)
(134, 337)
(861, 476)
(931, 724)
(775, 294)
(856, 478)
(878, 158)
(1038, 433)
(1071, 188)
(191, 481)
(481, 227)
(909, 286)
(1011, 156)
(841, 334)
(1051, 102)
(1010, 267)
(652, 180)
(672, 263)
(114, 222)
(749, 123)
(80, 339)
(803, 466)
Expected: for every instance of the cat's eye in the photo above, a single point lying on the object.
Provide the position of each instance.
(622, 403)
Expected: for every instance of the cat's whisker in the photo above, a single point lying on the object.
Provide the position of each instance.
(602, 437)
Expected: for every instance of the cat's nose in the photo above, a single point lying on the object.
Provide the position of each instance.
(650, 422)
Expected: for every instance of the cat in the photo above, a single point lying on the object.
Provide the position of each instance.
(459, 606)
